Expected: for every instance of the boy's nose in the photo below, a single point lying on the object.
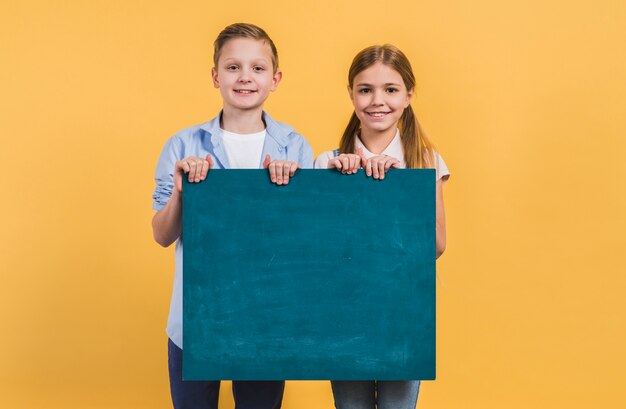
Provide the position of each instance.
(244, 76)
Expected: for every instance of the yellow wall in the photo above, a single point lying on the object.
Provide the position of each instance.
(525, 100)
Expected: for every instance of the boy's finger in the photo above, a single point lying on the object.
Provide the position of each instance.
(210, 160)
(272, 168)
(205, 169)
(279, 173)
(192, 170)
(294, 167)
(286, 172)
(266, 162)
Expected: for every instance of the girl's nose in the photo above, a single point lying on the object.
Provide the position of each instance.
(378, 98)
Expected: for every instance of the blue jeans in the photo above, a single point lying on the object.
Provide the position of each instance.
(205, 394)
(367, 394)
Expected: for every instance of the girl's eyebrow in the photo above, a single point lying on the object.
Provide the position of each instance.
(363, 84)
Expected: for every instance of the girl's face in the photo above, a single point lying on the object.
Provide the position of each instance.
(379, 97)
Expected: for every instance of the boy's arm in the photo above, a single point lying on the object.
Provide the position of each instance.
(167, 223)
(306, 155)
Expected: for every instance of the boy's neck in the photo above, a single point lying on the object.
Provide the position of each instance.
(377, 142)
(242, 122)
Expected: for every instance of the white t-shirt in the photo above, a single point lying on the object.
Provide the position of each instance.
(244, 150)
(394, 149)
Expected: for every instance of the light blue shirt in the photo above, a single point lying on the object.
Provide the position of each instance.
(281, 143)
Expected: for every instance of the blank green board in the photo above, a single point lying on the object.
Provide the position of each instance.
(329, 277)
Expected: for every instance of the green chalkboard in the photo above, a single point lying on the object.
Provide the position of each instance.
(329, 277)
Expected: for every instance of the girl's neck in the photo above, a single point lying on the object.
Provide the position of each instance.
(377, 142)
(242, 122)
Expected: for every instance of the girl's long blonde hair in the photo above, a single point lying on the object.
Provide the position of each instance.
(418, 151)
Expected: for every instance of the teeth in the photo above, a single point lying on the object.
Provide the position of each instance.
(244, 91)
(377, 114)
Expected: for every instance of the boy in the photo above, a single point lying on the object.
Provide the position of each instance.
(241, 136)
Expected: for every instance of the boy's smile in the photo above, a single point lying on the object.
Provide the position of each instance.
(244, 74)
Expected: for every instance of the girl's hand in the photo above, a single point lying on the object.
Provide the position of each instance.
(376, 166)
(197, 168)
(280, 170)
(348, 163)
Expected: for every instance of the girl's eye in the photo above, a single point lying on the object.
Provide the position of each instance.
(392, 90)
(364, 91)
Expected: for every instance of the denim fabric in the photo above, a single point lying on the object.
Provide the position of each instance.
(205, 394)
(366, 394)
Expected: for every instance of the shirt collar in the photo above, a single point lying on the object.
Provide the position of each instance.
(277, 131)
(394, 149)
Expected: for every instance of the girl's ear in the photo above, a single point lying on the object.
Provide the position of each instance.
(350, 94)
(409, 95)
(216, 81)
(276, 79)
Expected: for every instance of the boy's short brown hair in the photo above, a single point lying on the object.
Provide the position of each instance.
(243, 30)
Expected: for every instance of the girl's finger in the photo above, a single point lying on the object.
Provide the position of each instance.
(375, 167)
(381, 169)
(357, 163)
(368, 167)
(286, 172)
(334, 163)
(351, 161)
(345, 164)
(390, 161)
(272, 168)
(361, 157)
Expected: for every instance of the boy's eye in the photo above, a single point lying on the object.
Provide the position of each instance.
(231, 67)
(259, 68)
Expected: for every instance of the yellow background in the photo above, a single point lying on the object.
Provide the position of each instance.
(525, 100)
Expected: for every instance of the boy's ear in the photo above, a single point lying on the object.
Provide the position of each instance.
(216, 81)
(276, 79)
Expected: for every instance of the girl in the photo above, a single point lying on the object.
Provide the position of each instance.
(383, 133)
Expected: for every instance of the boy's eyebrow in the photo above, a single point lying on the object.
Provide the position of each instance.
(264, 60)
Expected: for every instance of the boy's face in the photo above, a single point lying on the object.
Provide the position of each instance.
(244, 74)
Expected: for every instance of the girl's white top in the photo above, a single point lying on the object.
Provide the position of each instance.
(394, 149)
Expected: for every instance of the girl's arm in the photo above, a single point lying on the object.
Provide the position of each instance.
(440, 219)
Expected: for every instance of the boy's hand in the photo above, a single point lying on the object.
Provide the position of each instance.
(197, 168)
(376, 166)
(348, 163)
(280, 170)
